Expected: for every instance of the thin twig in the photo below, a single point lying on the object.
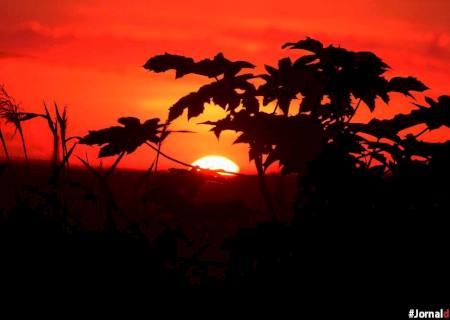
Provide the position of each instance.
(354, 112)
(263, 186)
(372, 154)
(194, 167)
(160, 145)
(421, 132)
(24, 147)
(114, 165)
(5, 147)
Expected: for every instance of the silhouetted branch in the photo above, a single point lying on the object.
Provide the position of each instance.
(191, 166)
(356, 109)
(163, 132)
(421, 132)
(114, 165)
(267, 197)
(5, 147)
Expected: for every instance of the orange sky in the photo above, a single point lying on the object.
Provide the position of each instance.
(88, 54)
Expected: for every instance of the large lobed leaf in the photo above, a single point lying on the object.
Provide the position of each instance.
(308, 44)
(434, 116)
(211, 68)
(406, 84)
(293, 141)
(330, 71)
(162, 63)
(126, 138)
(223, 92)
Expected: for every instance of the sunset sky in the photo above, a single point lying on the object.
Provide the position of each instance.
(89, 54)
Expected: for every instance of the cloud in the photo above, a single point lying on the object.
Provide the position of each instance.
(430, 14)
(439, 47)
(89, 53)
(46, 11)
(8, 55)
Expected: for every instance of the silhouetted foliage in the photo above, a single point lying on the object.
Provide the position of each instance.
(355, 179)
(115, 140)
(11, 113)
(324, 84)
(326, 81)
(370, 197)
(207, 67)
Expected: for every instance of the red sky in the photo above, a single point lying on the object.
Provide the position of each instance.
(88, 54)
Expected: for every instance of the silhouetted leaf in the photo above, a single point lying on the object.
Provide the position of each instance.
(434, 116)
(50, 123)
(207, 67)
(129, 121)
(222, 92)
(369, 61)
(24, 116)
(220, 65)
(162, 63)
(405, 85)
(116, 140)
(293, 141)
(308, 44)
(380, 128)
(283, 84)
(303, 61)
(57, 170)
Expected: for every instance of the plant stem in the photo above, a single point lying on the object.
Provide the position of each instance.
(55, 145)
(421, 132)
(372, 154)
(354, 112)
(159, 147)
(263, 187)
(24, 147)
(5, 148)
(190, 165)
(113, 167)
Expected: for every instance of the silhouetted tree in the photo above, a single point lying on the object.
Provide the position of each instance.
(327, 86)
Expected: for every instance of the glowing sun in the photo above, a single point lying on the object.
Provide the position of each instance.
(216, 163)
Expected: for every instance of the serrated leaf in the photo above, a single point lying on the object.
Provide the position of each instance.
(220, 65)
(127, 138)
(211, 68)
(308, 44)
(405, 85)
(162, 63)
(222, 92)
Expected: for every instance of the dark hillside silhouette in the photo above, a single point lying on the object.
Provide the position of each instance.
(370, 211)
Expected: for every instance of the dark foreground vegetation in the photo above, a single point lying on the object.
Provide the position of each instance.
(369, 211)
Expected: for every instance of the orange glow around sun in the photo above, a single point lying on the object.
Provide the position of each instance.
(88, 56)
(216, 163)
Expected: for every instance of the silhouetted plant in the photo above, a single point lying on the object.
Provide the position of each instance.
(351, 175)
(11, 113)
(58, 128)
(5, 148)
(324, 83)
(127, 138)
(228, 91)
(119, 141)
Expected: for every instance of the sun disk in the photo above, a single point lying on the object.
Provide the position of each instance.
(216, 163)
